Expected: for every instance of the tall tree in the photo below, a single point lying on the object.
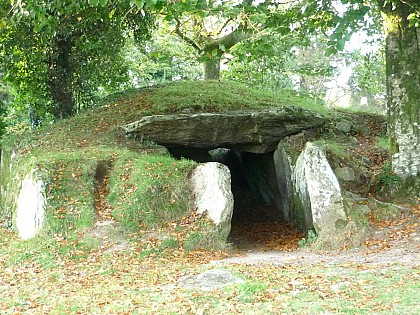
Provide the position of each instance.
(58, 52)
(401, 19)
(213, 28)
(275, 62)
(401, 22)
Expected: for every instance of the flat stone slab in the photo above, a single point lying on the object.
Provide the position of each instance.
(256, 131)
(210, 280)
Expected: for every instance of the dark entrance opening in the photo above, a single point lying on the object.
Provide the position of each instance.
(262, 204)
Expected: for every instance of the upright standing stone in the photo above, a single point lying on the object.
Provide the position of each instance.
(284, 180)
(211, 190)
(31, 203)
(319, 193)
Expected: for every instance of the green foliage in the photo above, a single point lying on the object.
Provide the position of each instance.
(276, 62)
(340, 20)
(214, 29)
(368, 80)
(60, 55)
(162, 59)
(310, 239)
(387, 178)
(5, 99)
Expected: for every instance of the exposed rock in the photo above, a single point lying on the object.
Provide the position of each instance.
(30, 208)
(385, 211)
(210, 280)
(367, 161)
(219, 155)
(283, 172)
(345, 173)
(109, 236)
(343, 126)
(317, 189)
(210, 185)
(257, 131)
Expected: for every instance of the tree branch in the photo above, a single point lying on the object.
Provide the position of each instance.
(229, 40)
(224, 25)
(184, 37)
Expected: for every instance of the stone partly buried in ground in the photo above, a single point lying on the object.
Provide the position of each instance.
(256, 131)
(318, 199)
(30, 206)
(210, 280)
(210, 185)
(345, 173)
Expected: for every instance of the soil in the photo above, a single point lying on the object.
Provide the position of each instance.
(395, 241)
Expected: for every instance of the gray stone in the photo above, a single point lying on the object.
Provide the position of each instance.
(30, 206)
(283, 173)
(385, 211)
(210, 185)
(319, 193)
(367, 161)
(210, 280)
(345, 173)
(256, 131)
(343, 126)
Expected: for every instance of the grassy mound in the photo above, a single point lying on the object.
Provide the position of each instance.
(146, 189)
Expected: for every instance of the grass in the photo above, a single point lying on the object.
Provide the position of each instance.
(199, 96)
(335, 146)
(67, 153)
(122, 283)
(149, 190)
(62, 271)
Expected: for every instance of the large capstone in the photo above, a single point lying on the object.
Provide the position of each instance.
(318, 198)
(210, 185)
(255, 131)
(30, 206)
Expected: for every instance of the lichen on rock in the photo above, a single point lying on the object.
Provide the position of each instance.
(210, 185)
(30, 206)
(319, 193)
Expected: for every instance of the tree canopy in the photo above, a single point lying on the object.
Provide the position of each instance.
(58, 53)
(57, 56)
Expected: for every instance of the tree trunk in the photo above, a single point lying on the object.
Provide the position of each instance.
(60, 81)
(403, 87)
(212, 69)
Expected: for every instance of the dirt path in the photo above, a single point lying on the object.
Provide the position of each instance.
(396, 241)
(106, 228)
